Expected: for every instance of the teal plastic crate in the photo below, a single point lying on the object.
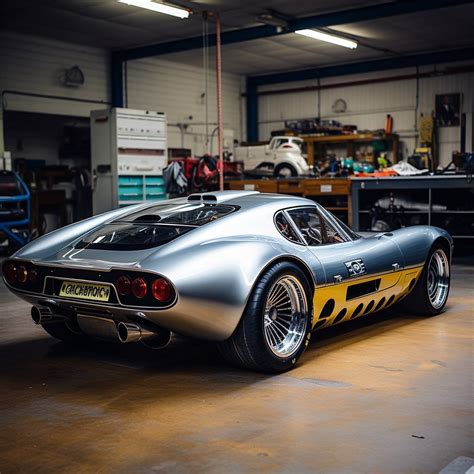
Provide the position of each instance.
(154, 180)
(130, 181)
(141, 188)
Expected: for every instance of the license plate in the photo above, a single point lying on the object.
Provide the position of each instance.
(84, 291)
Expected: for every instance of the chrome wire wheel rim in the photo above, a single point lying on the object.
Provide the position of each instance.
(438, 279)
(285, 316)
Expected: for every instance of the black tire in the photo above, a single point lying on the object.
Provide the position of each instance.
(63, 332)
(284, 169)
(419, 301)
(248, 346)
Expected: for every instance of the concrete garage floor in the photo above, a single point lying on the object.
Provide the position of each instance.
(388, 394)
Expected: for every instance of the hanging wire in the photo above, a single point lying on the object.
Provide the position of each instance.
(205, 62)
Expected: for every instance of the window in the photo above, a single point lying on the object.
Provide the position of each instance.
(286, 228)
(309, 224)
(131, 236)
(315, 229)
(153, 226)
(189, 214)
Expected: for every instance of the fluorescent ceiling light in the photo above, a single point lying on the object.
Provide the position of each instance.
(328, 38)
(158, 7)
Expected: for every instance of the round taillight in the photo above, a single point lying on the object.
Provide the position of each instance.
(139, 287)
(22, 274)
(33, 276)
(124, 285)
(10, 273)
(161, 290)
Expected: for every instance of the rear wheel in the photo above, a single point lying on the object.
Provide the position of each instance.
(275, 328)
(432, 289)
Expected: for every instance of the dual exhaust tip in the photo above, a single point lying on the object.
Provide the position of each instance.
(126, 332)
(129, 332)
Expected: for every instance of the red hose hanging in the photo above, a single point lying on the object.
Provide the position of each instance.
(219, 101)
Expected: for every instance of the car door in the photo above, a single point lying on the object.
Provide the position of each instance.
(361, 275)
(342, 257)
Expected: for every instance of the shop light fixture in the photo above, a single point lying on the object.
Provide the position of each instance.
(158, 7)
(319, 35)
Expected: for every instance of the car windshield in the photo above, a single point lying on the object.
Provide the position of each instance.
(153, 226)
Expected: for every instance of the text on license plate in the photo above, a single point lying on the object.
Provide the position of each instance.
(85, 291)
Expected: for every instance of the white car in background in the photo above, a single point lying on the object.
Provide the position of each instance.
(283, 155)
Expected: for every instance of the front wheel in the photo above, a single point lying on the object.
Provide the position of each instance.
(276, 326)
(431, 292)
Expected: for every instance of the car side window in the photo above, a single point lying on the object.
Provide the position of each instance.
(332, 235)
(286, 229)
(309, 224)
(315, 229)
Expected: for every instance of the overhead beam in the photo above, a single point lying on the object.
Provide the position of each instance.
(354, 15)
(397, 62)
(117, 65)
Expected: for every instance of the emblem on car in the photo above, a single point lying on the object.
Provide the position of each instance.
(355, 267)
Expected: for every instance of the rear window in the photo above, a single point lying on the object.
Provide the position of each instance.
(153, 227)
(189, 214)
(124, 236)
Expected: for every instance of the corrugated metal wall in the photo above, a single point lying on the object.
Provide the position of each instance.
(368, 105)
(178, 89)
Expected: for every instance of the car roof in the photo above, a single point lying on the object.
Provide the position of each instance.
(249, 199)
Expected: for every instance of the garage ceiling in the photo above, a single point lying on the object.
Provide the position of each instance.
(112, 25)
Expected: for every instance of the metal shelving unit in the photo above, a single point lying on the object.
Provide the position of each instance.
(430, 184)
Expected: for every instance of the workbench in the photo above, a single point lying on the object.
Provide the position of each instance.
(332, 193)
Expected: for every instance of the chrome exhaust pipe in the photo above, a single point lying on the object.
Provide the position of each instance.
(43, 315)
(130, 332)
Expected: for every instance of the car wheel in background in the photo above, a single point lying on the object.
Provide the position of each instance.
(431, 292)
(284, 170)
(276, 325)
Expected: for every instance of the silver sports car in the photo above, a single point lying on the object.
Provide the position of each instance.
(257, 273)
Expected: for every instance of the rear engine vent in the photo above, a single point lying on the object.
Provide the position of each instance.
(320, 323)
(327, 309)
(380, 304)
(357, 311)
(390, 300)
(340, 316)
(369, 307)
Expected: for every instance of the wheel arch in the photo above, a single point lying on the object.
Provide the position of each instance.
(446, 244)
(292, 259)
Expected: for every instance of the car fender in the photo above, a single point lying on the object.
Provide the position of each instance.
(415, 242)
(205, 307)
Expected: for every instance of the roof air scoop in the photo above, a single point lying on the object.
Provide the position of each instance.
(148, 218)
(220, 196)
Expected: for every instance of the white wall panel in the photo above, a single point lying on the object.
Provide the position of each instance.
(33, 64)
(369, 104)
(177, 90)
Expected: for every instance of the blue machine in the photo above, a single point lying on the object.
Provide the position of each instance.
(14, 209)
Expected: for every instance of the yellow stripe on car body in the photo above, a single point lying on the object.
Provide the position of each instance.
(393, 286)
